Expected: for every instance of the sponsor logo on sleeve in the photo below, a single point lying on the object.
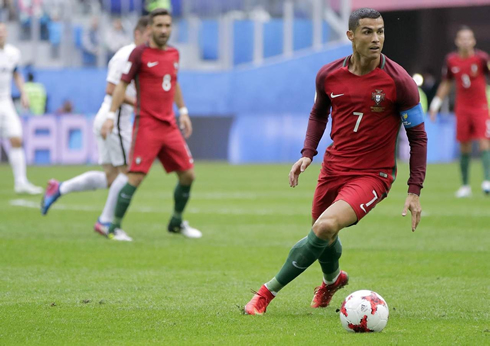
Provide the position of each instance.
(405, 119)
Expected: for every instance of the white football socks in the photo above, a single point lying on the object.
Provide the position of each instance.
(17, 160)
(110, 204)
(92, 180)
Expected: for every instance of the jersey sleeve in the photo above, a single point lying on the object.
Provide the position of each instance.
(116, 66)
(446, 70)
(417, 137)
(407, 93)
(132, 67)
(408, 101)
(318, 117)
(15, 59)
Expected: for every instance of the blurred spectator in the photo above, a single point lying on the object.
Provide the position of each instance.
(116, 38)
(66, 108)
(26, 10)
(29, 9)
(52, 7)
(151, 5)
(55, 30)
(7, 10)
(91, 43)
(430, 84)
(37, 95)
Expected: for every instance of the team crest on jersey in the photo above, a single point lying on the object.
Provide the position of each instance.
(474, 68)
(138, 160)
(378, 96)
(176, 65)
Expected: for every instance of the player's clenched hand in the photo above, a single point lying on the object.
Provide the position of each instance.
(412, 203)
(299, 167)
(107, 127)
(185, 125)
(433, 115)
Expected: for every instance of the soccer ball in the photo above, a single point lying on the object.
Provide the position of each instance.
(364, 311)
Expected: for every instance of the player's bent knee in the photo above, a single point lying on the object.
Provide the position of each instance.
(110, 173)
(326, 228)
(135, 179)
(187, 177)
(110, 179)
(484, 145)
(111, 176)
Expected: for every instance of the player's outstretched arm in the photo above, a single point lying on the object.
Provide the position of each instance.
(441, 94)
(299, 167)
(412, 203)
(117, 100)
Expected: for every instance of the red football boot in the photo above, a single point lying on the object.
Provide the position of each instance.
(324, 293)
(259, 302)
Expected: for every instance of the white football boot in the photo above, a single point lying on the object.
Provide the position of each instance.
(119, 235)
(28, 188)
(464, 192)
(188, 231)
(485, 186)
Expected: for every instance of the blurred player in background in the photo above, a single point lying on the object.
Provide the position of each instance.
(468, 67)
(370, 95)
(114, 148)
(154, 68)
(10, 125)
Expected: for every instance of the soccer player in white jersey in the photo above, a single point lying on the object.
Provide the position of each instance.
(10, 125)
(113, 149)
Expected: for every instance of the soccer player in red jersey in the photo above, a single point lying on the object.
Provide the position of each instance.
(369, 96)
(153, 67)
(468, 67)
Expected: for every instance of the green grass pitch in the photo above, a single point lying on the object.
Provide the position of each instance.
(62, 284)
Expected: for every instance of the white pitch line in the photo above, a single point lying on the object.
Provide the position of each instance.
(229, 211)
(222, 211)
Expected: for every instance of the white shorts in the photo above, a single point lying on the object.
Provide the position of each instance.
(113, 150)
(10, 125)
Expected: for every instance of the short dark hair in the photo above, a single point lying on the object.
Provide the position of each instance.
(158, 12)
(142, 24)
(30, 77)
(360, 14)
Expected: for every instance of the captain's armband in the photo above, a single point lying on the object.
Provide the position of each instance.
(413, 116)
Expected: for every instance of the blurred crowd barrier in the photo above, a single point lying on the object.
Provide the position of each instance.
(235, 138)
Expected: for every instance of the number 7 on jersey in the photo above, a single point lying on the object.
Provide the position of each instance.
(358, 120)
